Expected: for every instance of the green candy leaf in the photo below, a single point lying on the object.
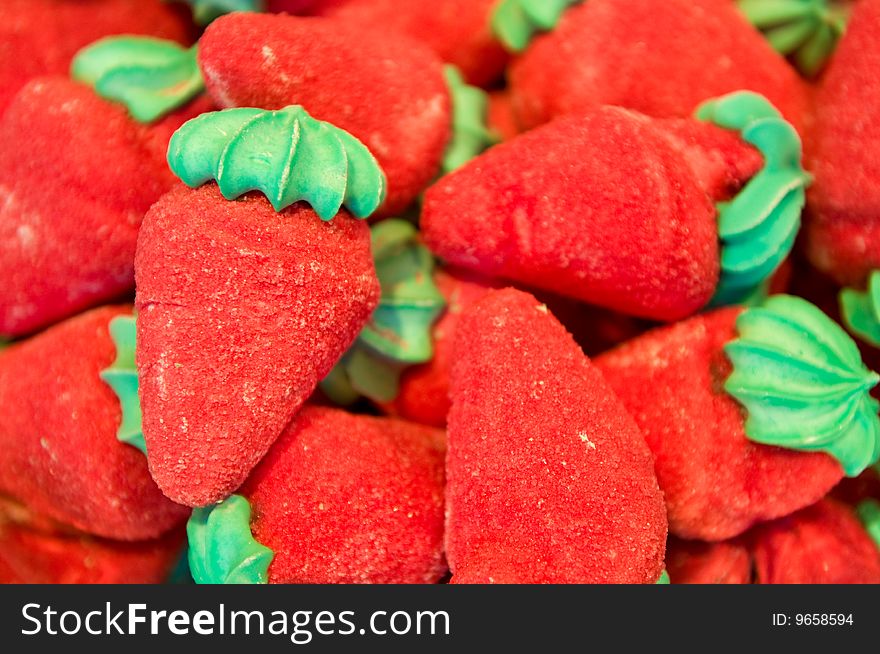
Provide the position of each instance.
(151, 77)
(861, 310)
(122, 377)
(205, 11)
(515, 22)
(759, 226)
(664, 578)
(222, 549)
(802, 381)
(399, 333)
(470, 135)
(806, 31)
(286, 154)
(869, 514)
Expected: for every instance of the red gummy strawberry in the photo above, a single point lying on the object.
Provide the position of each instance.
(40, 37)
(824, 544)
(31, 553)
(751, 414)
(842, 230)
(457, 31)
(335, 68)
(340, 498)
(59, 452)
(548, 477)
(73, 199)
(696, 562)
(662, 59)
(648, 217)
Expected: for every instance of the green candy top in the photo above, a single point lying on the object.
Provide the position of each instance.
(222, 549)
(286, 154)
(515, 22)
(869, 513)
(807, 31)
(664, 578)
(122, 377)
(399, 333)
(759, 226)
(803, 384)
(861, 310)
(470, 136)
(204, 11)
(150, 76)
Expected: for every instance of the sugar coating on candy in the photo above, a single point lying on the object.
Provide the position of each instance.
(569, 208)
(696, 562)
(58, 448)
(662, 59)
(548, 478)
(344, 498)
(40, 37)
(242, 310)
(823, 544)
(457, 30)
(717, 483)
(842, 229)
(73, 192)
(388, 93)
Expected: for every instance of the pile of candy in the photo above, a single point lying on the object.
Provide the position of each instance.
(305, 291)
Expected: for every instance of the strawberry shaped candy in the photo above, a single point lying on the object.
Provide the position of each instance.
(548, 477)
(59, 452)
(69, 222)
(457, 31)
(648, 217)
(340, 498)
(751, 414)
(40, 37)
(843, 230)
(695, 562)
(659, 58)
(244, 306)
(35, 553)
(824, 544)
(281, 60)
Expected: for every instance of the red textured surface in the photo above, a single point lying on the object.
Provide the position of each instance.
(717, 483)
(424, 389)
(40, 37)
(570, 206)
(548, 477)
(389, 93)
(76, 177)
(458, 31)
(660, 58)
(342, 498)
(59, 453)
(32, 556)
(824, 544)
(242, 311)
(694, 562)
(843, 219)
(501, 119)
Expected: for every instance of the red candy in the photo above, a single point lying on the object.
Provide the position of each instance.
(660, 58)
(570, 207)
(389, 93)
(843, 230)
(73, 199)
(40, 37)
(549, 479)
(59, 453)
(694, 562)
(342, 498)
(717, 483)
(242, 311)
